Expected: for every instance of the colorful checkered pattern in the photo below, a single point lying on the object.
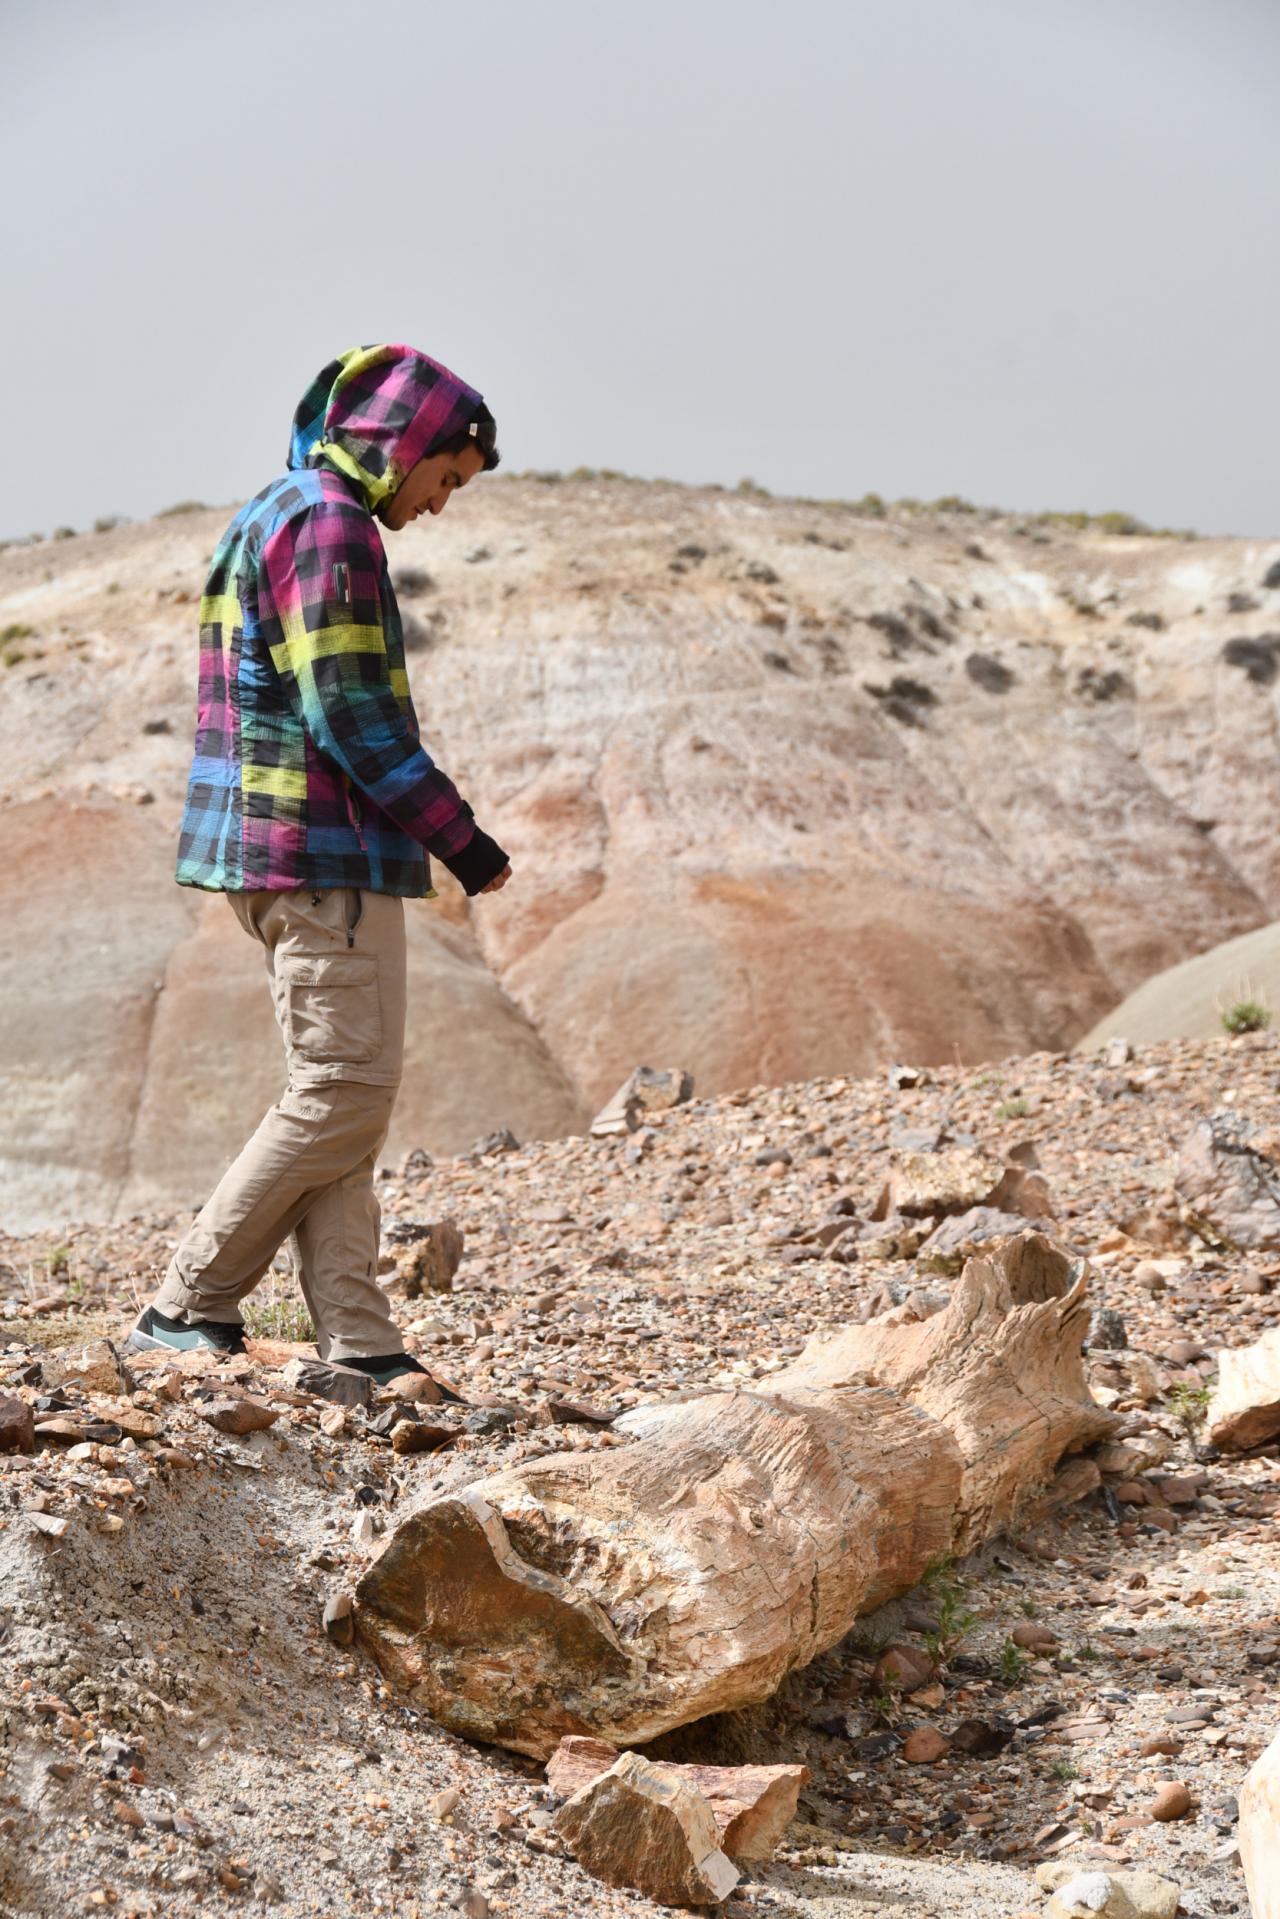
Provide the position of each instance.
(308, 768)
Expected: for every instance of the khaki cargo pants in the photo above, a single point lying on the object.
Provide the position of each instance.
(336, 962)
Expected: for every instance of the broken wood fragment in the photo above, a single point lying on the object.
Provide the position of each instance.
(752, 1805)
(1259, 1832)
(1245, 1408)
(640, 1825)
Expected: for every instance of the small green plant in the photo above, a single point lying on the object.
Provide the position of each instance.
(871, 1645)
(1012, 1109)
(1231, 1592)
(16, 630)
(1028, 1608)
(1246, 1016)
(1013, 1667)
(1064, 1769)
(58, 1260)
(885, 1705)
(1188, 1405)
(278, 1317)
(955, 1618)
(1086, 1651)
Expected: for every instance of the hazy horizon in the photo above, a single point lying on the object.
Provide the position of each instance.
(1025, 256)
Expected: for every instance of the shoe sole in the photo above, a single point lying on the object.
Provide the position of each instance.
(139, 1342)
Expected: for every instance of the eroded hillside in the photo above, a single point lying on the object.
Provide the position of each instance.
(789, 789)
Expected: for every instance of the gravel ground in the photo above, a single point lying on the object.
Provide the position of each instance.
(178, 1731)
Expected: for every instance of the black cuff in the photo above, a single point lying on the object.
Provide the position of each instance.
(480, 861)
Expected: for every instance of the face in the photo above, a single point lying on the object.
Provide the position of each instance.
(429, 486)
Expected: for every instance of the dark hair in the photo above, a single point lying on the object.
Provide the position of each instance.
(481, 433)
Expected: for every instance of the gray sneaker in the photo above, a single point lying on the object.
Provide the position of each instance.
(154, 1332)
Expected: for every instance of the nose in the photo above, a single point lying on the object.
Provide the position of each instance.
(439, 504)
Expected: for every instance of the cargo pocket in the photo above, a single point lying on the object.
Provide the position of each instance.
(332, 1010)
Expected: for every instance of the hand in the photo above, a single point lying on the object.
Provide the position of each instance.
(498, 881)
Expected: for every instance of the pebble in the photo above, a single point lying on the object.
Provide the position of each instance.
(925, 1746)
(1172, 1801)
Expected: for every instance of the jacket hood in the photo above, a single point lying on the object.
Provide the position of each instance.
(374, 412)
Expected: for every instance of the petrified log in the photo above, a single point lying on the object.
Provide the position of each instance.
(1260, 1833)
(641, 1825)
(1245, 1408)
(752, 1805)
(626, 1592)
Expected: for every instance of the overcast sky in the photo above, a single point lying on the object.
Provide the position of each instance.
(1021, 250)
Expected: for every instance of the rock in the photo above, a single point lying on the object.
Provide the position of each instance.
(487, 1420)
(471, 1903)
(1163, 1743)
(982, 1738)
(1033, 1638)
(1244, 1410)
(236, 1416)
(426, 1255)
(1181, 1489)
(339, 1618)
(1137, 1894)
(419, 1389)
(925, 1746)
(1107, 1330)
(951, 1181)
(643, 1090)
(501, 1141)
(1129, 1457)
(1229, 1189)
(340, 1384)
(1024, 1191)
(1172, 1801)
(958, 1238)
(902, 1669)
(420, 1436)
(333, 1422)
(95, 1368)
(752, 1805)
(52, 1525)
(441, 1804)
(640, 1825)
(17, 1427)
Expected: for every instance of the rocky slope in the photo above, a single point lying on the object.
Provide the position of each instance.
(176, 1733)
(790, 790)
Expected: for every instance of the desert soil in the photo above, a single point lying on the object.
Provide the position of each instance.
(179, 1735)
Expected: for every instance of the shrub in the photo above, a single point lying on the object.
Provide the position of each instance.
(1012, 1109)
(1246, 1016)
(63, 533)
(1013, 1667)
(181, 506)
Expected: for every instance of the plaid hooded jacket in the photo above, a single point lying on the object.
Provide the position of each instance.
(308, 769)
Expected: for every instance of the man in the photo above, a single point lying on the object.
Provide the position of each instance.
(313, 805)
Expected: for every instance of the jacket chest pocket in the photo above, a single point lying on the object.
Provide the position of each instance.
(332, 1011)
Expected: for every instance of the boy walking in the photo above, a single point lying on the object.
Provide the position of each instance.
(313, 805)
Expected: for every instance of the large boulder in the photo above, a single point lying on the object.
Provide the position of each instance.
(1228, 1182)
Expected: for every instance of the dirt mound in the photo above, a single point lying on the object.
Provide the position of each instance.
(1188, 1001)
(790, 790)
